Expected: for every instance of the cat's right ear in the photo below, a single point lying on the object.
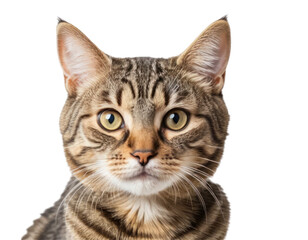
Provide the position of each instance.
(82, 62)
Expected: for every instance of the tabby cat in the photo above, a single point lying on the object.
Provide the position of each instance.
(141, 136)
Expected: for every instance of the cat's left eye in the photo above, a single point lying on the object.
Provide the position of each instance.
(176, 119)
(110, 120)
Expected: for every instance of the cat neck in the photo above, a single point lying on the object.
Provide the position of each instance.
(163, 214)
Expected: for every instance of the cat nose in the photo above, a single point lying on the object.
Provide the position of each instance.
(143, 156)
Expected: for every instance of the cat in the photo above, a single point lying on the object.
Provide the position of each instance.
(142, 136)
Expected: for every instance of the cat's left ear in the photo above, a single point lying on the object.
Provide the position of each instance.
(82, 62)
(207, 57)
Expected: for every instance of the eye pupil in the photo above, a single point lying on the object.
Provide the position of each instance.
(175, 117)
(110, 118)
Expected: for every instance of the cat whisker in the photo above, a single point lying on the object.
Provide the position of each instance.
(80, 197)
(202, 166)
(203, 158)
(195, 190)
(64, 199)
(102, 195)
(90, 181)
(79, 168)
(76, 188)
(197, 170)
(95, 181)
(188, 192)
(84, 168)
(190, 173)
(79, 171)
(176, 189)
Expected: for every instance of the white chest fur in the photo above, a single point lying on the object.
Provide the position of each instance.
(144, 208)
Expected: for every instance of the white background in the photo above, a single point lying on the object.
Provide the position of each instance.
(265, 166)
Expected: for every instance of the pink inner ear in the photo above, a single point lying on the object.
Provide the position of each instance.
(81, 60)
(79, 57)
(208, 55)
(222, 56)
(71, 84)
(219, 82)
(70, 81)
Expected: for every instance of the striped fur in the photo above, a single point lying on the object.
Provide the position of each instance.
(104, 199)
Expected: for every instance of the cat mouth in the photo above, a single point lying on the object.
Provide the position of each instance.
(142, 176)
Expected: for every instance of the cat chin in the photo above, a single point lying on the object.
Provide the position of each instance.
(143, 186)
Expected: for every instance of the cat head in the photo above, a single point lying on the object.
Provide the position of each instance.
(144, 125)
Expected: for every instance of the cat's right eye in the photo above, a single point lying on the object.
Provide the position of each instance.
(110, 120)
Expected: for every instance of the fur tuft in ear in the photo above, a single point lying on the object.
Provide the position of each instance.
(207, 57)
(60, 20)
(225, 18)
(82, 62)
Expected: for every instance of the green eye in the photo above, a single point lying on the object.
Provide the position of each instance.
(176, 119)
(110, 120)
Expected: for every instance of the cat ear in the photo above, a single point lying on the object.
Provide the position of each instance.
(82, 62)
(207, 57)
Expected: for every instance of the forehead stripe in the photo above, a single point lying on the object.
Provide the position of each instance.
(126, 81)
(157, 82)
(119, 96)
(167, 97)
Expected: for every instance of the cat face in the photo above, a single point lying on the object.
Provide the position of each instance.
(144, 125)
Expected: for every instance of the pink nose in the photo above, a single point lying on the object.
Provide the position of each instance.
(143, 156)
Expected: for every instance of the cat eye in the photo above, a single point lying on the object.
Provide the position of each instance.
(110, 120)
(176, 119)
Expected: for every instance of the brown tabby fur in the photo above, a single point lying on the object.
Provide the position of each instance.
(142, 90)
